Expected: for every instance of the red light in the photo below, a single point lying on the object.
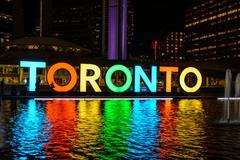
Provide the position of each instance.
(155, 46)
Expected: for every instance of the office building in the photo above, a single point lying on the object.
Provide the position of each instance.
(6, 20)
(171, 48)
(213, 30)
(131, 26)
(117, 30)
(31, 18)
(79, 22)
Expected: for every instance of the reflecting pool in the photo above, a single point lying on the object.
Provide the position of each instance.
(119, 129)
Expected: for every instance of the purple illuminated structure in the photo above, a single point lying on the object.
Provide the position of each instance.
(117, 29)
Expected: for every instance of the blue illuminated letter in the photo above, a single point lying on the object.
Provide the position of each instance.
(152, 85)
(32, 72)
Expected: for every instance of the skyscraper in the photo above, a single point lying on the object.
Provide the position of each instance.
(103, 24)
(131, 26)
(117, 29)
(171, 47)
(120, 31)
(79, 22)
(213, 30)
(31, 18)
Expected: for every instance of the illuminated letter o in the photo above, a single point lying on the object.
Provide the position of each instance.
(182, 79)
(108, 78)
(70, 69)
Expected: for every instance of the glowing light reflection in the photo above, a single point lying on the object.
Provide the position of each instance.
(89, 125)
(87, 99)
(190, 130)
(167, 129)
(116, 129)
(29, 132)
(62, 118)
(144, 130)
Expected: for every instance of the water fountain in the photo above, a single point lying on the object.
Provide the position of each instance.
(235, 117)
(1, 129)
(237, 86)
(228, 80)
(227, 94)
(231, 111)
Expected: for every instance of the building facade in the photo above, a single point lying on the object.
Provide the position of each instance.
(6, 20)
(213, 30)
(78, 21)
(171, 49)
(131, 26)
(31, 18)
(117, 30)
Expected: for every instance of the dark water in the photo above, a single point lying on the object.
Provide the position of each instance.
(119, 129)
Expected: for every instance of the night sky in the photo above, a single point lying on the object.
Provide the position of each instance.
(152, 15)
(154, 18)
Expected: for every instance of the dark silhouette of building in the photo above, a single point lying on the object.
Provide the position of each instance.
(32, 18)
(212, 30)
(78, 21)
(87, 23)
(6, 20)
(131, 26)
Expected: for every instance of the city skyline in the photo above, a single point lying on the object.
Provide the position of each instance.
(151, 13)
(147, 22)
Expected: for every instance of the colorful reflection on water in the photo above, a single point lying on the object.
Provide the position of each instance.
(61, 116)
(190, 129)
(144, 130)
(113, 129)
(28, 133)
(89, 124)
(167, 128)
